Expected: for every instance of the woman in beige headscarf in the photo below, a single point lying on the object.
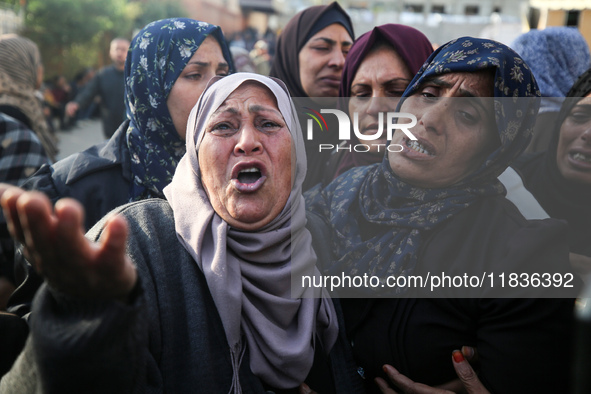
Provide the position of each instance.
(21, 73)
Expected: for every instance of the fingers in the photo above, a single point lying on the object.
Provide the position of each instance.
(28, 216)
(38, 226)
(383, 386)
(406, 385)
(470, 354)
(305, 389)
(467, 374)
(8, 197)
(113, 257)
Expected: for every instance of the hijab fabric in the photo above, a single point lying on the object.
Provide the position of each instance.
(19, 62)
(249, 273)
(296, 33)
(557, 56)
(561, 198)
(409, 43)
(158, 54)
(398, 213)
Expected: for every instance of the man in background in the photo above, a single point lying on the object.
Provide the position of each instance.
(109, 85)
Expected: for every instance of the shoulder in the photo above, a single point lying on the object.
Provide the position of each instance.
(21, 152)
(492, 236)
(146, 219)
(14, 131)
(496, 223)
(99, 163)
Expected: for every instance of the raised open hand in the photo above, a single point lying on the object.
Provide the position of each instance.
(54, 242)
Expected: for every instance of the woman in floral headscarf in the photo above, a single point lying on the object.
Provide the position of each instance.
(436, 208)
(165, 75)
(169, 65)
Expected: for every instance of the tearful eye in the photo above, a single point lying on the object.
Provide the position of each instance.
(249, 175)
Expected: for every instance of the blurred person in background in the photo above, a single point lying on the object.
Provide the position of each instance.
(21, 74)
(109, 85)
(25, 142)
(557, 56)
(260, 57)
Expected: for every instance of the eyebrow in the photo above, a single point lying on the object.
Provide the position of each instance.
(463, 92)
(205, 64)
(441, 83)
(252, 108)
(333, 42)
(260, 108)
(384, 83)
(585, 107)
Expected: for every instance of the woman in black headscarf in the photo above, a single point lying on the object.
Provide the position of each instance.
(560, 178)
(309, 58)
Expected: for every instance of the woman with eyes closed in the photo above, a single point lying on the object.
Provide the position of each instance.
(437, 207)
(309, 58)
(169, 64)
(378, 68)
(192, 293)
(560, 178)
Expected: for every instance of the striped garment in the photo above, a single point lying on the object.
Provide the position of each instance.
(21, 152)
(20, 62)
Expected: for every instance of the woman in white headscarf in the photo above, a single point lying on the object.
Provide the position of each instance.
(213, 314)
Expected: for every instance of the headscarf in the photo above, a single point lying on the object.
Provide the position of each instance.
(157, 56)
(248, 273)
(19, 63)
(561, 198)
(374, 201)
(557, 56)
(409, 43)
(286, 65)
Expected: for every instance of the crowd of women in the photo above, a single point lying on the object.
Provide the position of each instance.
(163, 260)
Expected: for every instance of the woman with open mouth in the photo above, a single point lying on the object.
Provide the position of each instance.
(437, 210)
(560, 177)
(192, 293)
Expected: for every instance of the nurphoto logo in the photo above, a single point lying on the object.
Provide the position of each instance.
(344, 125)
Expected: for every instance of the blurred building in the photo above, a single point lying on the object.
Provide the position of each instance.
(232, 15)
(443, 20)
(544, 13)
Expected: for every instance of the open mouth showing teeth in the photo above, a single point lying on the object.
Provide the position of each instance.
(249, 175)
(416, 146)
(581, 157)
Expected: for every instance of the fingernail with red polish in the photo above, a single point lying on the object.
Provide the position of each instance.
(458, 357)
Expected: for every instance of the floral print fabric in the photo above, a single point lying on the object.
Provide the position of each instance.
(158, 54)
(378, 221)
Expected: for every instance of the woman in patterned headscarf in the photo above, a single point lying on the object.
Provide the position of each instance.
(436, 207)
(21, 73)
(168, 66)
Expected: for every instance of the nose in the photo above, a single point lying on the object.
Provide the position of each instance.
(433, 116)
(380, 103)
(337, 59)
(249, 141)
